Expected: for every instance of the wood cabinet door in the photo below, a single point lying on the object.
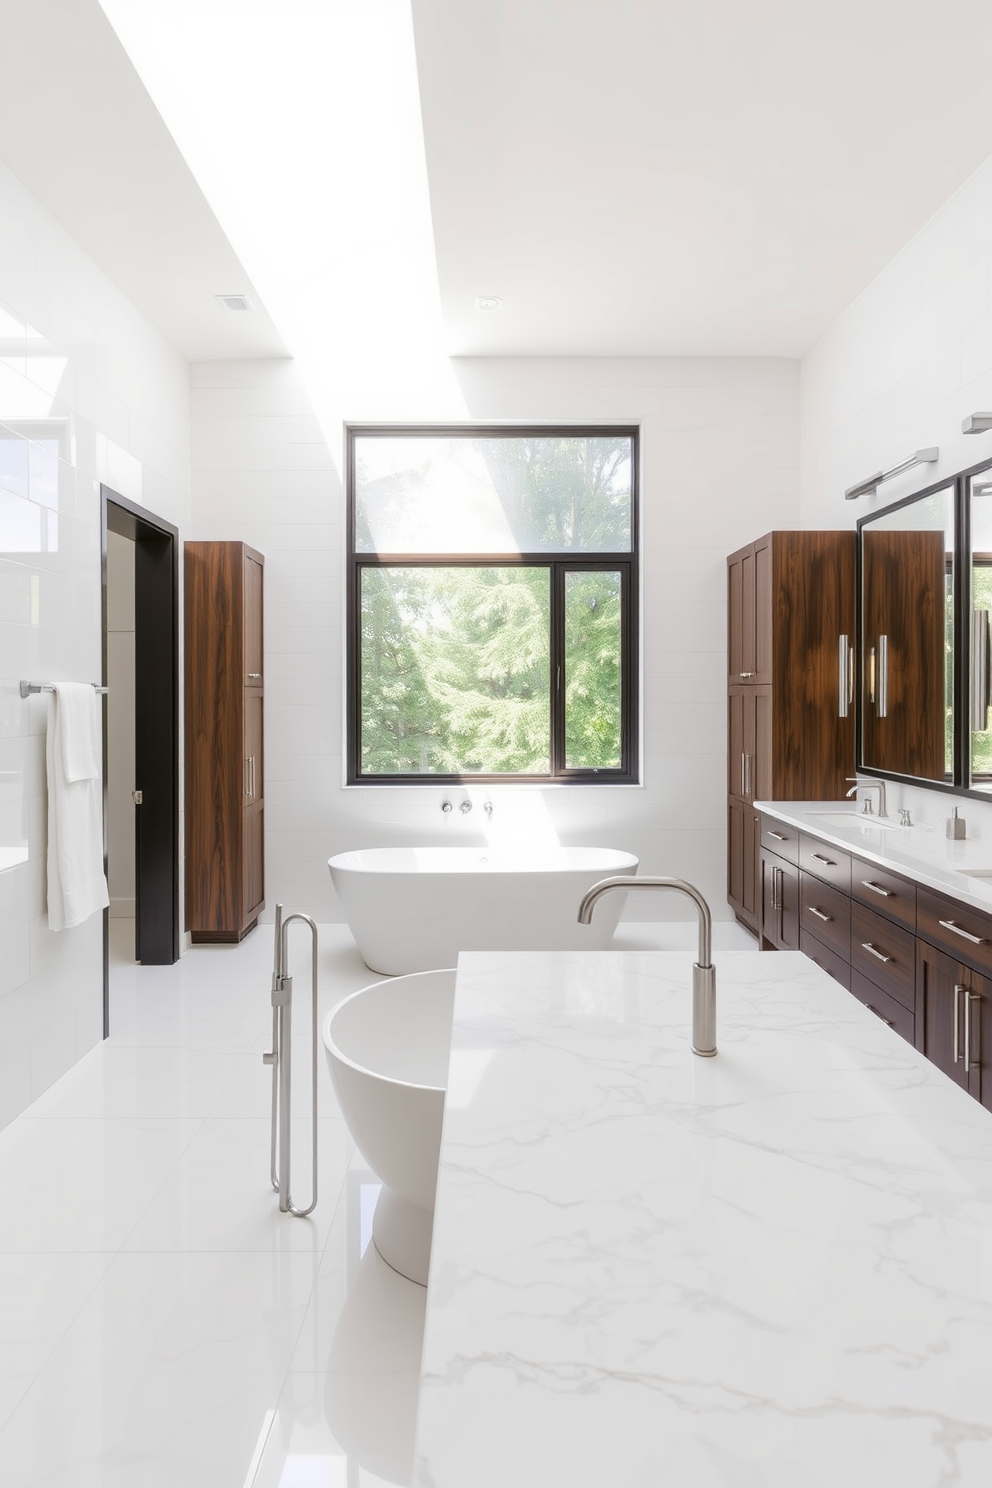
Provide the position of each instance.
(253, 619)
(735, 742)
(947, 993)
(779, 902)
(735, 615)
(254, 747)
(762, 621)
(760, 772)
(253, 849)
(735, 854)
(751, 888)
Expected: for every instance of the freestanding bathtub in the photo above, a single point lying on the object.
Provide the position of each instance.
(415, 908)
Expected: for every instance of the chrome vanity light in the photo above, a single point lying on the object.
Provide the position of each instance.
(703, 971)
(870, 484)
(977, 423)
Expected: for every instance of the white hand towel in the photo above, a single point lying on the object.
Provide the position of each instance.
(77, 884)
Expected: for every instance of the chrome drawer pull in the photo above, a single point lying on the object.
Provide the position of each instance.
(887, 1021)
(819, 858)
(950, 925)
(779, 836)
(959, 987)
(819, 913)
(866, 883)
(866, 945)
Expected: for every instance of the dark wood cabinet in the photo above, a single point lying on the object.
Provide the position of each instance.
(743, 867)
(791, 598)
(779, 903)
(225, 749)
(949, 1016)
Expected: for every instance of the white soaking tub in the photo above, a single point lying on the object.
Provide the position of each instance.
(415, 908)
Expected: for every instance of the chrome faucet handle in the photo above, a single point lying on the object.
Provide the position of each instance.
(867, 808)
(487, 807)
(904, 820)
(465, 808)
(446, 807)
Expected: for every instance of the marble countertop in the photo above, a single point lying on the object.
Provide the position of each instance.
(917, 852)
(652, 1270)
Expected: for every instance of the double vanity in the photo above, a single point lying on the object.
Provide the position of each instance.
(898, 915)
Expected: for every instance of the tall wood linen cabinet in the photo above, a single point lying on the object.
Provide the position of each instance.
(791, 633)
(225, 795)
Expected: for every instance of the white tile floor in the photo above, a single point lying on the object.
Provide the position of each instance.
(161, 1324)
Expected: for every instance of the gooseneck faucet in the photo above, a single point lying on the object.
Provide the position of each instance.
(878, 785)
(703, 971)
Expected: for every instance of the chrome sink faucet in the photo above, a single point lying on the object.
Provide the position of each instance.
(703, 971)
(878, 785)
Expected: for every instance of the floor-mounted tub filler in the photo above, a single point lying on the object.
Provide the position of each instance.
(414, 908)
(280, 1058)
(387, 1049)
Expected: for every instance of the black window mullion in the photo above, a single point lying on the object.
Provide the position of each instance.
(557, 679)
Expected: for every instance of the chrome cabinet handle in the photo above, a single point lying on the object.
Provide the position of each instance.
(883, 676)
(247, 777)
(959, 987)
(966, 934)
(255, 676)
(866, 883)
(887, 1021)
(969, 998)
(748, 760)
(743, 675)
(843, 676)
(743, 776)
(779, 836)
(819, 913)
(866, 945)
(819, 858)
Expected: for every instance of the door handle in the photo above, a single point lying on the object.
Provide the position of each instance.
(969, 998)
(883, 676)
(844, 674)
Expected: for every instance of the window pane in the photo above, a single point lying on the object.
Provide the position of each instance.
(592, 671)
(455, 671)
(535, 494)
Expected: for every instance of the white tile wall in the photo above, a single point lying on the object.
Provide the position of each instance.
(72, 351)
(898, 371)
(720, 466)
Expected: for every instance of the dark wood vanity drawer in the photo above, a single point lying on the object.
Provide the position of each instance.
(780, 839)
(966, 933)
(826, 914)
(828, 863)
(889, 1009)
(833, 964)
(884, 892)
(884, 953)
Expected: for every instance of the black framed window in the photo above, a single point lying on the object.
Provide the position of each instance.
(492, 604)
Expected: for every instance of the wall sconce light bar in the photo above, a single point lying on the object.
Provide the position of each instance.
(869, 486)
(977, 423)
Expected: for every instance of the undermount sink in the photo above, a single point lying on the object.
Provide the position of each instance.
(849, 818)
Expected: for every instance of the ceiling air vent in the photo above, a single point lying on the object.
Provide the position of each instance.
(233, 302)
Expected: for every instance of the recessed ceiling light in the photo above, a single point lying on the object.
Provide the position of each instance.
(233, 302)
(489, 303)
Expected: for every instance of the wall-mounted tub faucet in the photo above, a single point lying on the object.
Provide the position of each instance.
(465, 808)
(703, 971)
(487, 807)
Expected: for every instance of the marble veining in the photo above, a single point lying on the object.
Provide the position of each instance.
(774, 1267)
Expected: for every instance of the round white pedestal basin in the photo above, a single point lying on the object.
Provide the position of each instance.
(387, 1049)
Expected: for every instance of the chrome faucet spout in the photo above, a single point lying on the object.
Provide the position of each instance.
(703, 971)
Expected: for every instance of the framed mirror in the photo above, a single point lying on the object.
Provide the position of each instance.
(980, 636)
(907, 637)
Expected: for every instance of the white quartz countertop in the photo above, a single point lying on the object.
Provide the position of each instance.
(650, 1270)
(918, 852)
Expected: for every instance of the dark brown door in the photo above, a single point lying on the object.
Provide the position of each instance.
(905, 644)
(779, 902)
(947, 994)
(253, 620)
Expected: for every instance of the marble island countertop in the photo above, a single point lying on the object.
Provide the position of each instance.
(772, 1268)
(919, 852)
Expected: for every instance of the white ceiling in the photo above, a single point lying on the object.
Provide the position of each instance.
(79, 130)
(687, 176)
(631, 177)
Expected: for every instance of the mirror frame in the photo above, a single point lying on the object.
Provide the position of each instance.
(960, 782)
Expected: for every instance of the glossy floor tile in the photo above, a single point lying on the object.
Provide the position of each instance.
(162, 1325)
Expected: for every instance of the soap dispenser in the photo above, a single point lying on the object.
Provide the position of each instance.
(955, 826)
